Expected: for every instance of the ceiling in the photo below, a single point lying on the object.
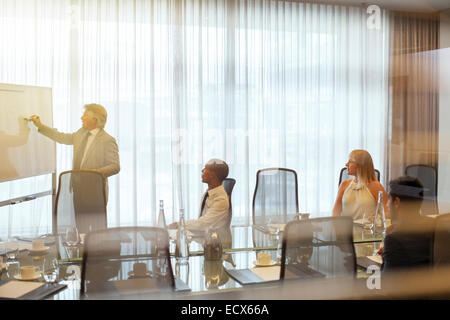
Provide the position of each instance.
(403, 5)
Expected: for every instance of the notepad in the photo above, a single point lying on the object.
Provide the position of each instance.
(135, 285)
(267, 273)
(376, 259)
(17, 289)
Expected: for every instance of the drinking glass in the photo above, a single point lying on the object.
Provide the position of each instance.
(72, 237)
(275, 235)
(13, 269)
(273, 228)
(367, 221)
(50, 270)
(12, 249)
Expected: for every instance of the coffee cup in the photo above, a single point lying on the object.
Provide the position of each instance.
(304, 216)
(38, 244)
(264, 258)
(139, 269)
(29, 272)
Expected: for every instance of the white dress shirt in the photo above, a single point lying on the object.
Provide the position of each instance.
(216, 213)
(88, 144)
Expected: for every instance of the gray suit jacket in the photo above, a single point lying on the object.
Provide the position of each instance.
(102, 155)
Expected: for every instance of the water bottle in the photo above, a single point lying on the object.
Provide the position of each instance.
(379, 222)
(182, 245)
(161, 218)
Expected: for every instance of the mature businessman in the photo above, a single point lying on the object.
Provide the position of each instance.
(93, 150)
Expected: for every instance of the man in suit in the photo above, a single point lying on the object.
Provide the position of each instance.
(215, 205)
(409, 242)
(93, 150)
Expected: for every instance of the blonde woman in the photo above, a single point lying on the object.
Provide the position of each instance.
(359, 195)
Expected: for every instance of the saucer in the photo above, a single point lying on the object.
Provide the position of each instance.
(147, 273)
(19, 277)
(42, 250)
(271, 263)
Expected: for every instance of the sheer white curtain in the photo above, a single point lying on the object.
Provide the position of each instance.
(255, 83)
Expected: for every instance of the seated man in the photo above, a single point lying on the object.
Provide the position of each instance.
(409, 243)
(214, 208)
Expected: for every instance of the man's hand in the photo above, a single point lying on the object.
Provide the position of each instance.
(173, 225)
(36, 121)
(380, 251)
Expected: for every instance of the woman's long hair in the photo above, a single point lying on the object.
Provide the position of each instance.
(365, 171)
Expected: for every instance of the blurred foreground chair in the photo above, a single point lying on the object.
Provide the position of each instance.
(127, 260)
(428, 176)
(343, 175)
(441, 250)
(80, 202)
(275, 196)
(319, 247)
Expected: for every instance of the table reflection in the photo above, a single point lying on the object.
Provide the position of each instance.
(241, 246)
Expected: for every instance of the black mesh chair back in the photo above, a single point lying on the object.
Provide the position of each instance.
(126, 260)
(441, 251)
(80, 202)
(428, 176)
(343, 175)
(228, 185)
(320, 247)
(275, 197)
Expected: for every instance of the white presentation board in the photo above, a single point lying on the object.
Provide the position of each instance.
(23, 151)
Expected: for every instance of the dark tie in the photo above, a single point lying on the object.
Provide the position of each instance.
(80, 154)
(203, 203)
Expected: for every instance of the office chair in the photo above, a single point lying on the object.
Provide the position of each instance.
(80, 202)
(275, 196)
(344, 176)
(126, 260)
(428, 177)
(317, 248)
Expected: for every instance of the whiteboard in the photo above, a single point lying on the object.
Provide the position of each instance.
(23, 151)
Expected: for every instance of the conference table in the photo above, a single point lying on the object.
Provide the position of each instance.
(198, 276)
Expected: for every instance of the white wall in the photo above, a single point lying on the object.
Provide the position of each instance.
(444, 115)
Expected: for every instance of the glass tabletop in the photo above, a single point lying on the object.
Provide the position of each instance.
(199, 274)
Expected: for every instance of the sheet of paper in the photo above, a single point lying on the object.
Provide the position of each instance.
(16, 289)
(21, 244)
(135, 285)
(267, 273)
(377, 259)
(279, 226)
(173, 234)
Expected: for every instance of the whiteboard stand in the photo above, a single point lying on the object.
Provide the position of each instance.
(34, 196)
